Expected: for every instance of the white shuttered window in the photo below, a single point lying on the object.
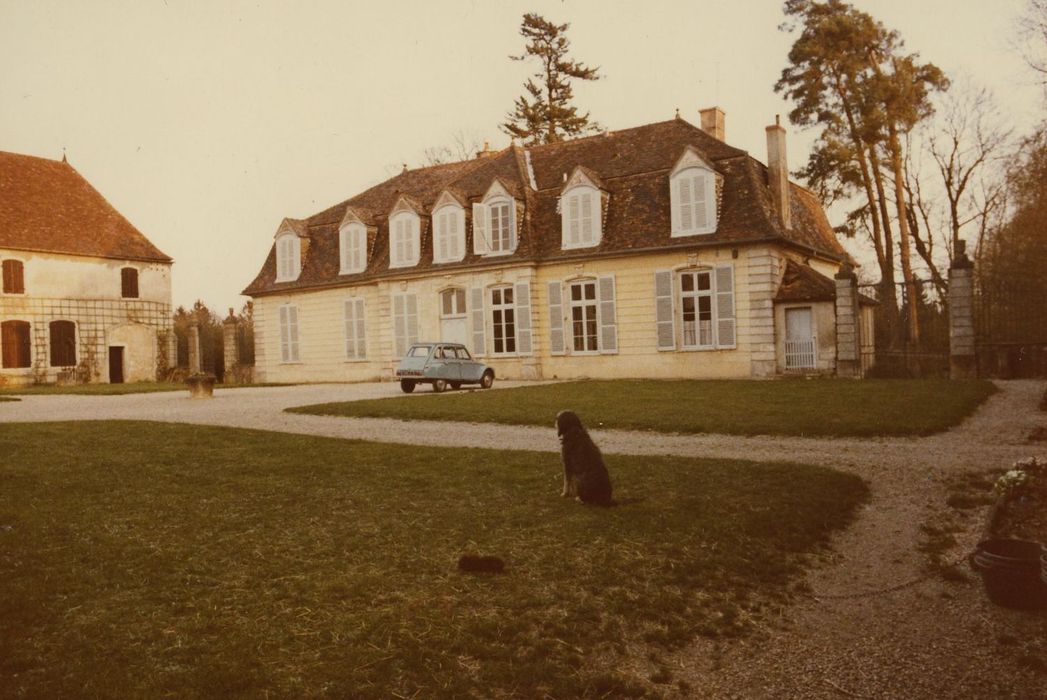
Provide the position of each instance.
(355, 339)
(449, 243)
(580, 217)
(288, 258)
(405, 322)
(289, 333)
(693, 202)
(404, 231)
(353, 245)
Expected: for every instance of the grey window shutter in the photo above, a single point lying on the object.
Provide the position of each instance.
(480, 244)
(476, 303)
(608, 322)
(361, 338)
(663, 300)
(412, 319)
(556, 346)
(523, 318)
(400, 325)
(725, 320)
(285, 335)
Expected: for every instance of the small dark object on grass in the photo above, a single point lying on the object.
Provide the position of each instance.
(584, 473)
(482, 564)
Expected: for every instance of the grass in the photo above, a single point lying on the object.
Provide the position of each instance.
(816, 408)
(143, 560)
(114, 389)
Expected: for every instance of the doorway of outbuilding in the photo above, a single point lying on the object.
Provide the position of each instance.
(116, 364)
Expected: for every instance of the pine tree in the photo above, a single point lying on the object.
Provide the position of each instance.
(547, 115)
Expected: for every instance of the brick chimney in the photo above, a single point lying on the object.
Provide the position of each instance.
(486, 152)
(712, 122)
(778, 171)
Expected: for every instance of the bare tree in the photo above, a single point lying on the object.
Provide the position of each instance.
(463, 146)
(1032, 37)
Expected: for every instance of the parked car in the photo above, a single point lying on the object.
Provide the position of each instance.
(442, 365)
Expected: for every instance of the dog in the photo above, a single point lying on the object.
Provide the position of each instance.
(585, 475)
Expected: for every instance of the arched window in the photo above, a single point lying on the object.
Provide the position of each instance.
(63, 343)
(353, 246)
(404, 231)
(693, 196)
(129, 283)
(501, 225)
(449, 234)
(15, 344)
(14, 280)
(580, 217)
(288, 257)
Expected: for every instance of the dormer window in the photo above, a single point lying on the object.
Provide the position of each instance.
(352, 246)
(580, 217)
(693, 196)
(288, 257)
(494, 222)
(449, 234)
(404, 234)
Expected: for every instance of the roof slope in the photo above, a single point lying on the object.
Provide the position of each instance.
(47, 206)
(803, 283)
(633, 167)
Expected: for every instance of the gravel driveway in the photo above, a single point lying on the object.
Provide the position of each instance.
(874, 625)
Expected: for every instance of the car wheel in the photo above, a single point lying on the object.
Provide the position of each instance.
(407, 385)
(487, 380)
(439, 385)
(456, 385)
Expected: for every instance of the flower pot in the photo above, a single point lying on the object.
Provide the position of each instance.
(1011, 572)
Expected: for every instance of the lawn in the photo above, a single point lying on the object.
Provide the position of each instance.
(142, 560)
(820, 408)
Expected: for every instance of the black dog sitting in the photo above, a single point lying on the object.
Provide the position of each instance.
(584, 473)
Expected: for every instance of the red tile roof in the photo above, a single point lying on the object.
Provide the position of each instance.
(46, 206)
(633, 166)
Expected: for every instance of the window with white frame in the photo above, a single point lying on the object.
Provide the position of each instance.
(694, 309)
(503, 320)
(580, 217)
(352, 244)
(355, 338)
(693, 197)
(501, 229)
(696, 306)
(584, 322)
(404, 231)
(288, 333)
(449, 234)
(288, 257)
(452, 303)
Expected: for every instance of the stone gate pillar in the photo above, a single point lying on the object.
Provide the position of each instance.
(231, 351)
(963, 363)
(848, 325)
(194, 348)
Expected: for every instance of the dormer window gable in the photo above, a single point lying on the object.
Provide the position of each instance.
(495, 222)
(448, 229)
(352, 246)
(692, 195)
(405, 233)
(581, 212)
(288, 252)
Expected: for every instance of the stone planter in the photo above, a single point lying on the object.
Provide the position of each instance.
(201, 386)
(1011, 572)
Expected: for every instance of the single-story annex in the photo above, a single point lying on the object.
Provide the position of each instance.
(657, 251)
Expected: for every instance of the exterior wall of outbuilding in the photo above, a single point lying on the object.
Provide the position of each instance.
(87, 291)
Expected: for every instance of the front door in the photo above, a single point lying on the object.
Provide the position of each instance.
(116, 364)
(453, 328)
(799, 339)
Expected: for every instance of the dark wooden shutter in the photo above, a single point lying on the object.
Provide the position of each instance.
(14, 337)
(14, 280)
(63, 343)
(129, 283)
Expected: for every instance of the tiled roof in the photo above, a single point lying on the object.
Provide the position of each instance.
(46, 206)
(803, 283)
(632, 165)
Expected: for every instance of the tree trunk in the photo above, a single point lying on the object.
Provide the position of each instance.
(895, 151)
(890, 288)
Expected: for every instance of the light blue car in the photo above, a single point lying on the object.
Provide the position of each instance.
(442, 365)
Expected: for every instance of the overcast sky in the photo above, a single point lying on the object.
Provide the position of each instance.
(207, 122)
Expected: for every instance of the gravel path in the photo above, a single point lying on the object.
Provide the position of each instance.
(857, 635)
